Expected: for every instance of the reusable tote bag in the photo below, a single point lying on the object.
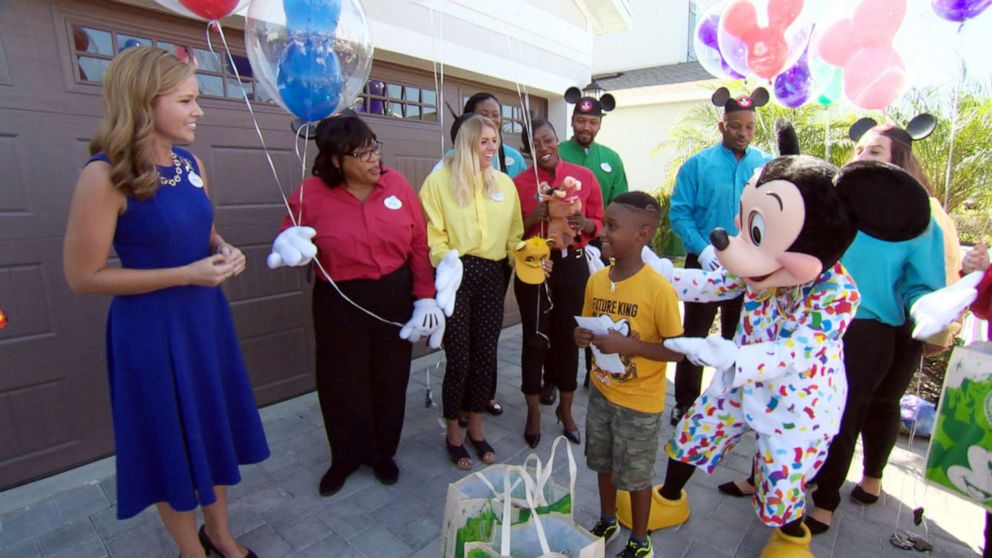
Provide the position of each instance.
(469, 515)
(960, 454)
(537, 536)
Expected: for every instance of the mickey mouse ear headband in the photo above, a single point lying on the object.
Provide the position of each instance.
(758, 98)
(589, 105)
(921, 126)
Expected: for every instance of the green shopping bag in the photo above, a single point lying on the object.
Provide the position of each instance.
(473, 503)
(960, 453)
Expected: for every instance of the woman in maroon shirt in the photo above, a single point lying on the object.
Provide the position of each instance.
(548, 310)
(371, 237)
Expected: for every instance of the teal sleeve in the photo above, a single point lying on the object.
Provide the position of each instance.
(680, 210)
(924, 271)
(518, 166)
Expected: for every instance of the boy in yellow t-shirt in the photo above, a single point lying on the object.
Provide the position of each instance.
(623, 421)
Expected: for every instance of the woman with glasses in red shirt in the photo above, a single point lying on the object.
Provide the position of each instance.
(369, 233)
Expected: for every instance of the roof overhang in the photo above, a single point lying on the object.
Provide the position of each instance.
(606, 16)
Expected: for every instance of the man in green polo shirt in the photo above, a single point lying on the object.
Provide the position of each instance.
(582, 149)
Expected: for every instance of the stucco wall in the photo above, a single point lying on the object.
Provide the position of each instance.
(658, 33)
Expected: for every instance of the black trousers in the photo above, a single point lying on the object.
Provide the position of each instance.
(880, 361)
(547, 319)
(363, 367)
(471, 336)
(698, 319)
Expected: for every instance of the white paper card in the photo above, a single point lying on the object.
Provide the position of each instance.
(601, 325)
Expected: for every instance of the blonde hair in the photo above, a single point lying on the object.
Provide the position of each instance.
(132, 82)
(464, 161)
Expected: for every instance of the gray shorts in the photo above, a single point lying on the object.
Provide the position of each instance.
(622, 441)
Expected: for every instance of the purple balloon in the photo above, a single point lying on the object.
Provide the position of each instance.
(793, 87)
(959, 10)
(707, 31)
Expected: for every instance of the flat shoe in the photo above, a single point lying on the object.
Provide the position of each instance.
(731, 489)
(494, 408)
(815, 526)
(860, 496)
(333, 480)
(386, 472)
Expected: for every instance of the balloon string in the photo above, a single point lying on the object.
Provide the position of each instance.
(439, 94)
(296, 221)
(954, 130)
(523, 97)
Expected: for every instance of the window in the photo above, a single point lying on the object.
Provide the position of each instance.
(95, 48)
(512, 116)
(396, 100)
(690, 55)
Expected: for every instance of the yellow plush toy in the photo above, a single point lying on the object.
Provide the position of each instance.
(529, 255)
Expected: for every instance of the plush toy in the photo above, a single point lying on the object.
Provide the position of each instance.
(562, 202)
(782, 376)
(529, 255)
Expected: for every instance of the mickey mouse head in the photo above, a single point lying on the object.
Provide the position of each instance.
(767, 47)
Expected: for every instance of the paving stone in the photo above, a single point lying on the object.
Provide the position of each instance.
(110, 528)
(378, 541)
(147, 541)
(347, 520)
(109, 487)
(304, 532)
(67, 536)
(23, 549)
(81, 502)
(418, 532)
(330, 545)
(242, 518)
(266, 542)
(25, 523)
(89, 548)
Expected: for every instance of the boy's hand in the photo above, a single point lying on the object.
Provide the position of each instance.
(583, 337)
(615, 342)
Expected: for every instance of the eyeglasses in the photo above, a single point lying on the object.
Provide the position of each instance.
(366, 155)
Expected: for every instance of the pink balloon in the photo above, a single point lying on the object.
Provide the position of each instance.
(835, 46)
(874, 77)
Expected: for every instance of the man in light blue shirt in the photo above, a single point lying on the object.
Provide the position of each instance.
(706, 196)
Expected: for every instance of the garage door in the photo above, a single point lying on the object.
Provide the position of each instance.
(54, 409)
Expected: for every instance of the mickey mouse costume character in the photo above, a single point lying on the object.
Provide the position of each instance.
(707, 189)
(783, 376)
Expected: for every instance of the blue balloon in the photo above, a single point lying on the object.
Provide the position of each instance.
(130, 43)
(309, 78)
(320, 16)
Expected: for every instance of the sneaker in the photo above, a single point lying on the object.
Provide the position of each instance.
(637, 550)
(608, 531)
(677, 413)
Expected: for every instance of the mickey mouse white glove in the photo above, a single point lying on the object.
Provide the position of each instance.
(708, 260)
(933, 312)
(447, 279)
(427, 321)
(712, 351)
(663, 266)
(292, 247)
(594, 259)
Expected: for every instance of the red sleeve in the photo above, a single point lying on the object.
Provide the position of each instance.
(420, 261)
(593, 207)
(982, 307)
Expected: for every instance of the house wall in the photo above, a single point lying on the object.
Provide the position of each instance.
(641, 122)
(659, 29)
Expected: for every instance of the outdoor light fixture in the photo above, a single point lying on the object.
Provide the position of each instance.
(593, 90)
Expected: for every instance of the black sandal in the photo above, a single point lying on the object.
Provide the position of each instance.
(861, 496)
(457, 454)
(732, 489)
(482, 448)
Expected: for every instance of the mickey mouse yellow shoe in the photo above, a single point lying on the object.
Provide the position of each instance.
(781, 545)
(664, 513)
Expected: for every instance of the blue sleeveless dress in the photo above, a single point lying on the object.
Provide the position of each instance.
(183, 409)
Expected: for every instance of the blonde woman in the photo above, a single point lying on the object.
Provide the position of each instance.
(473, 209)
(183, 410)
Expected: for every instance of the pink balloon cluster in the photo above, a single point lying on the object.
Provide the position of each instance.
(863, 52)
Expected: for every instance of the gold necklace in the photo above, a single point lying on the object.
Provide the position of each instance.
(179, 173)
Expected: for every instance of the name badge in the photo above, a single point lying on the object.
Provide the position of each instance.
(508, 160)
(606, 167)
(195, 179)
(496, 196)
(392, 202)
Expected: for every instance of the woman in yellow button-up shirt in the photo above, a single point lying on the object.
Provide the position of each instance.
(473, 209)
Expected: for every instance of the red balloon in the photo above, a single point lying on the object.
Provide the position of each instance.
(767, 48)
(210, 9)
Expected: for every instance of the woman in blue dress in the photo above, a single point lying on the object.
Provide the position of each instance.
(183, 410)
